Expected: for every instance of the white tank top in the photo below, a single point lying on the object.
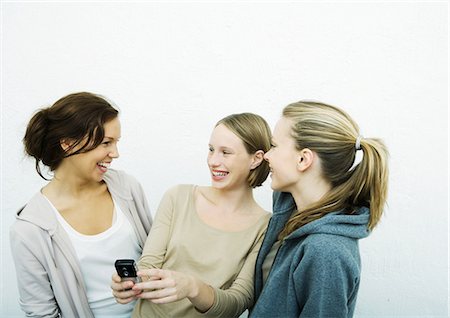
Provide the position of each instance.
(97, 254)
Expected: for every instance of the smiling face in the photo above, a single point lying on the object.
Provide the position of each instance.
(92, 165)
(228, 160)
(283, 157)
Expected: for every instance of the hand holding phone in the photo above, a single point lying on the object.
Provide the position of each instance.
(127, 270)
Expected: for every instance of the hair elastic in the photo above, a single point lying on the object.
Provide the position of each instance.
(358, 143)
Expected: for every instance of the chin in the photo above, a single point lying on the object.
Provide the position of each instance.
(276, 187)
(98, 178)
(217, 185)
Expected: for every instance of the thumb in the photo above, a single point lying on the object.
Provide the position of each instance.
(153, 273)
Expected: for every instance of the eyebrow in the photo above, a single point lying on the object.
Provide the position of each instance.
(108, 137)
(221, 147)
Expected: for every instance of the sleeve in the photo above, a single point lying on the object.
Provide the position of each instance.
(235, 300)
(325, 280)
(35, 290)
(141, 204)
(155, 247)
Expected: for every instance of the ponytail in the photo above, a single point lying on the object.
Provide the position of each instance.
(370, 179)
(334, 136)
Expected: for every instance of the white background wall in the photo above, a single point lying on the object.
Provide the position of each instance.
(175, 68)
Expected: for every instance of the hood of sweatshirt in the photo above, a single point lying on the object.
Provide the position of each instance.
(42, 214)
(337, 223)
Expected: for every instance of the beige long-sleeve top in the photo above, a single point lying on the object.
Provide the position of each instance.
(181, 241)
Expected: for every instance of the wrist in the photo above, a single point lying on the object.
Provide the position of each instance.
(201, 296)
(194, 288)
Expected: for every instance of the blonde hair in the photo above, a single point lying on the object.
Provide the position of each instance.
(255, 133)
(332, 134)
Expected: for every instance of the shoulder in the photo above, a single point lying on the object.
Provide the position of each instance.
(265, 217)
(262, 219)
(329, 242)
(178, 194)
(331, 250)
(37, 213)
(119, 178)
(26, 233)
(122, 184)
(283, 202)
(180, 189)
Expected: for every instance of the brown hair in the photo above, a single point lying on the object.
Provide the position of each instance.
(77, 117)
(332, 134)
(255, 133)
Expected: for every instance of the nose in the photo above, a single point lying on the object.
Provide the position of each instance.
(213, 159)
(114, 152)
(266, 155)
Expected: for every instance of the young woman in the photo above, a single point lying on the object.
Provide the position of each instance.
(309, 262)
(200, 255)
(66, 239)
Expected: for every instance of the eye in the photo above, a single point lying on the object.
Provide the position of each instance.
(272, 145)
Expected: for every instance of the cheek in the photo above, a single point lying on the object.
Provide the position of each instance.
(276, 157)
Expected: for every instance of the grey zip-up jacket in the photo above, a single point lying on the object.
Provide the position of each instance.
(48, 272)
(317, 269)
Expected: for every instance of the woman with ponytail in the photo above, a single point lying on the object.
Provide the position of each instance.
(66, 238)
(324, 202)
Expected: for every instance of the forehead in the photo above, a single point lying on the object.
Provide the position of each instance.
(283, 128)
(112, 127)
(222, 136)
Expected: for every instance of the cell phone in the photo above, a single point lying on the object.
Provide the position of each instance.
(127, 270)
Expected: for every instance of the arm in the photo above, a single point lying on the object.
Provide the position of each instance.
(155, 248)
(153, 253)
(168, 286)
(35, 290)
(325, 281)
(142, 206)
(240, 296)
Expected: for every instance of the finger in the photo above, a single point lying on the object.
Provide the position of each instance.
(116, 278)
(156, 272)
(147, 272)
(124, 295)
(158, 294)
(155, 284)
(124, 300)
(127, 284)
(164, 300)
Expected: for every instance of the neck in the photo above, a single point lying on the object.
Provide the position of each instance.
(235, 200)
(65, 183)
(310, 192)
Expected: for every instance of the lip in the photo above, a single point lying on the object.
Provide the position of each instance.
(102, 168)
(219, 175)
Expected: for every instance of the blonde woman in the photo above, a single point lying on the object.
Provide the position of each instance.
(200, 254)
(309, 263)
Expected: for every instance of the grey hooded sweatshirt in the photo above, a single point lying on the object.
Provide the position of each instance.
(316, 272)
(48, 272)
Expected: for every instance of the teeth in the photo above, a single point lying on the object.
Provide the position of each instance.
(220, 174)
(104, 164)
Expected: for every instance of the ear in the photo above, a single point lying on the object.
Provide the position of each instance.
(305, 159)
(258, 157)
(66, 144)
